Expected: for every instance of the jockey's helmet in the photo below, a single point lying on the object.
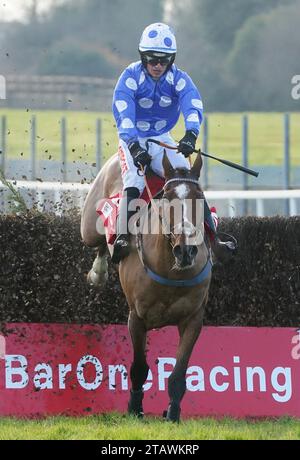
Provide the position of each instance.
(158, 43)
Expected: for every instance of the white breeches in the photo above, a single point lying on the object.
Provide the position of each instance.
(130, 176)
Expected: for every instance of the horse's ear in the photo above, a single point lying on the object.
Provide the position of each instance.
(196, 168)
(168, 168)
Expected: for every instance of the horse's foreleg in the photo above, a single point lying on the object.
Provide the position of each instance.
(189, 331)
(139, 368)
(98, 274)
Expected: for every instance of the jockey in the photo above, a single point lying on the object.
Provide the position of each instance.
(147, 101)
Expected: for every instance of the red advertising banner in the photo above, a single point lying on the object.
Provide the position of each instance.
(75, 370)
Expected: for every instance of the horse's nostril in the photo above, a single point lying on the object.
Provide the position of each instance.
(177, 252)
(185, 254)
(194, 251)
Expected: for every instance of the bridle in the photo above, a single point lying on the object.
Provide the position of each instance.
(167, 234)
(206, 270)
(171, 236)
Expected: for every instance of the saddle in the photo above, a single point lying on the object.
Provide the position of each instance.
(108, 208)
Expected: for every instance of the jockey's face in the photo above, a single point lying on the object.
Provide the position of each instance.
(157, 70)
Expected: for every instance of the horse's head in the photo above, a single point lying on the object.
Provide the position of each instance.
(184, 201)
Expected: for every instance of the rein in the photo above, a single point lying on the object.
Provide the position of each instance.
(154, 206)
(167, 146)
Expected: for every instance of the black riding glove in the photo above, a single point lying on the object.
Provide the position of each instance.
(187, 143)
(140, 156)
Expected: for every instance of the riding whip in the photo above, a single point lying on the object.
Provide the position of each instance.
(225, 162)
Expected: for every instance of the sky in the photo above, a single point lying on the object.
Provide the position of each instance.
(11, 10)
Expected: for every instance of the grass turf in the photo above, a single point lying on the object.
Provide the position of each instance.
(122, 427)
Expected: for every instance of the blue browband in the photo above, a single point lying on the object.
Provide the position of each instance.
(181, 283)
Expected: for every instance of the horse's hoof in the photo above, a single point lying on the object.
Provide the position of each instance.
(97, 279)
(139, 414)
(172, 414)
(135, 405)
(98, 274)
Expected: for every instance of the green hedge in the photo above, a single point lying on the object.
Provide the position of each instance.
(43, 266)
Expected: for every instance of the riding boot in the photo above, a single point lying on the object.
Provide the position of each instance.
(223, 250)
(122, 242)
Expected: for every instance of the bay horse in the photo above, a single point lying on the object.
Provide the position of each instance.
(165, 279)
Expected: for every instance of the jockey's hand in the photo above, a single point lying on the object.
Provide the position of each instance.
(140, 156)
(187, 143)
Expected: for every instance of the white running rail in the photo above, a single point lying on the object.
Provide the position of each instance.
(55, 196)
(260, 196)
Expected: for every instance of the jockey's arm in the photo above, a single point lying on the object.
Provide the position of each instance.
(124, 107)
(190, 102)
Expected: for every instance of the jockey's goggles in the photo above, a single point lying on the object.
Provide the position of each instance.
(164, 60)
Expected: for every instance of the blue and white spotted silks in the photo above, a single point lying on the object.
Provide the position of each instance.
(144, 107)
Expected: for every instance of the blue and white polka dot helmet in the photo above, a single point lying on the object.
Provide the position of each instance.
(158, 37)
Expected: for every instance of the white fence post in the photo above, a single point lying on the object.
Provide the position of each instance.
(63, 149)
(98, 145)
(3, 143)
(33, 147)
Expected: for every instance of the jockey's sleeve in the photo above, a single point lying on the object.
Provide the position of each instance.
(124, 106)
(190, 101)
